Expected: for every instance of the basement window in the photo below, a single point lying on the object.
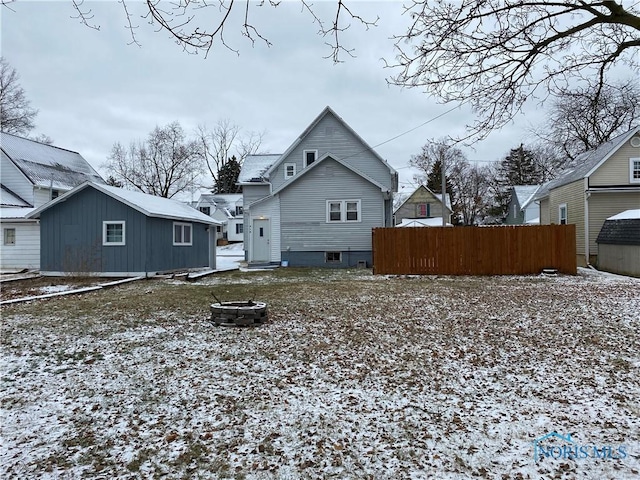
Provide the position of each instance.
(113, 233)
(182, 234)
(333, 257)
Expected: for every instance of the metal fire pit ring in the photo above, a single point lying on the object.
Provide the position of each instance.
(239, 314)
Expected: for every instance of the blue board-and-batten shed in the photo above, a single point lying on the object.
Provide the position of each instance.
(110, 231)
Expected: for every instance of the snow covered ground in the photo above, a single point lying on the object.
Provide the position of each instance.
(357, 376)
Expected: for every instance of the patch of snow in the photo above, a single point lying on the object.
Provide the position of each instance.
(626, 215)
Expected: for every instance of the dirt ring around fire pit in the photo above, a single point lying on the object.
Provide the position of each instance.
(239, 314)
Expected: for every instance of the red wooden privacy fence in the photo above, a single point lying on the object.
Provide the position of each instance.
(500, 250)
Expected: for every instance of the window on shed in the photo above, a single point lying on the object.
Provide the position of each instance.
(634, 170)
(182, 234)
(310, 156)
(113, 233)
(9, 236)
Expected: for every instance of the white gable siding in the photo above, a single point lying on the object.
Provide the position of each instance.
(330, 136)
(304, 211)
(26, 252)
(615, 171)
(12, 178)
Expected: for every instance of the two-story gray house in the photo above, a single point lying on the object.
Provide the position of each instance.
(316, 204)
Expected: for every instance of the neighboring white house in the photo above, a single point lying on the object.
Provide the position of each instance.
(226, 208)
(32, 174)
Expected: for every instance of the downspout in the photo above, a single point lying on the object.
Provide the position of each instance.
(587, 194)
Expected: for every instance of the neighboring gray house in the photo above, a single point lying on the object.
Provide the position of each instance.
(108, 231)
(31, 174)
(522, 208)
(619, 244)
(316, 204)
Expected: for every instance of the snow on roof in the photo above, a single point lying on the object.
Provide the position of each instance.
(149, 205)
(448, 199)
(15, 212)
(254, 166)
(422, 222)
(48, 166)
(626, 215)
(525, 193)
(11, 199)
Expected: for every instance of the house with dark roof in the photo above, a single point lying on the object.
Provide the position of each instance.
(522, 208)
(619, 244)
(32, 174)
(604, 182)
(317, 203)
(102, 230)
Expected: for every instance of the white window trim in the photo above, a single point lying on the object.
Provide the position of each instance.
(304, 156)
(105, 243)
(182, 244)
(631, 162)
(286, 165)
(4, 237)
(343, 211)
(566, 212)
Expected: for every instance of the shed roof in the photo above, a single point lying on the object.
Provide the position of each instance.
(46, 165)
(624, 230)
(149, 205)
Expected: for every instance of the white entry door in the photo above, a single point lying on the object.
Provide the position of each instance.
(261, 240)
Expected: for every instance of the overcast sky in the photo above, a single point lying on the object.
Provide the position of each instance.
(93, 89)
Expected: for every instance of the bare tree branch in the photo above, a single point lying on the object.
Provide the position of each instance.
(495, 54)
(16, 115)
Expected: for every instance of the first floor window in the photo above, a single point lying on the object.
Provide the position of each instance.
(9, 236)
(562, 214)
(239, 228)
(181, 233)
(113, 233)
(343, 211)
(634, 170)
(333, 257)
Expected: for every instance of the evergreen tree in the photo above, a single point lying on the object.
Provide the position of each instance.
(434, 179)
(520, 168)
(228, 176)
